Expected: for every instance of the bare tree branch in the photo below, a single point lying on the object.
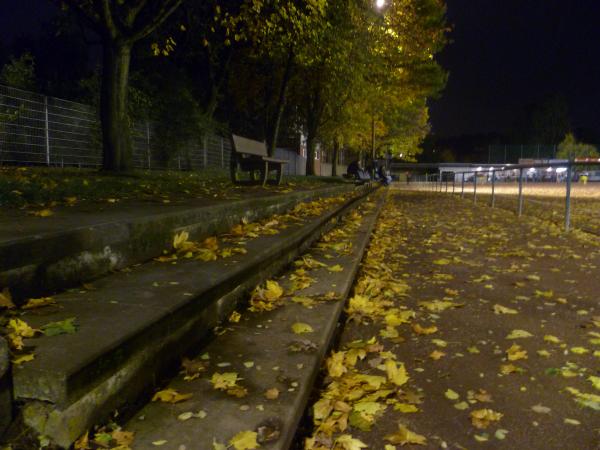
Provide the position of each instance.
(167, 8)
(133, 10)
(113, 26)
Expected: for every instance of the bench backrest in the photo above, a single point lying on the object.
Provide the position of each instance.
(249, 146)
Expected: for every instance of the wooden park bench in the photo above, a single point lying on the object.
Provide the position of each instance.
(252, 157)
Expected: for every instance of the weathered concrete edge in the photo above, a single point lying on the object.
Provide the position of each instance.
(68, 388)
(262, 338)
(47, 263)
(65, 426)
(5, 387)
(290, 430)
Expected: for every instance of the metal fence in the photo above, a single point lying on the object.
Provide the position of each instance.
(40, 130)
(512, 178)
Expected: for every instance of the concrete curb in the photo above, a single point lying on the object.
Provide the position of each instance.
(86, 384)
(42, 263)
(262, 339)
(5, 387)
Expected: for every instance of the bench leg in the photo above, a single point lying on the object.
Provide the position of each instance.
(256, 175)
(279, 174)
(234, 170)
(265, 174)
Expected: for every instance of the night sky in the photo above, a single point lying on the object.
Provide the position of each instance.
(504, 55)
(23, 17)
(507, 54)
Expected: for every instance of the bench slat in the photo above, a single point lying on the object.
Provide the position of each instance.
(249, 146)
(275, 160)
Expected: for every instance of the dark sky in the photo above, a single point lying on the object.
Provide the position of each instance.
(507, 54)
(23, 17)
(504, 56)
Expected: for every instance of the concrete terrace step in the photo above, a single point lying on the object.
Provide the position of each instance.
(40, 256)
(264, 340)
(135, 324)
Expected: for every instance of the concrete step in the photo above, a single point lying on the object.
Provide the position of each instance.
(135, 324)
(42, 256)
(6, 409)
(260, 349)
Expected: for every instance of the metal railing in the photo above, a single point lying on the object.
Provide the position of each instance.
(40, 130)
(471, 181)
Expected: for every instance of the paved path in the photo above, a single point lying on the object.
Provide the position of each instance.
(501, 340)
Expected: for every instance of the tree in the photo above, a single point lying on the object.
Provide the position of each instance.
(19, 72)
(326, 80)
(550, 120)
(368, 81)
(282, 36)
(404, 73)
(120, 24)
(569, 148)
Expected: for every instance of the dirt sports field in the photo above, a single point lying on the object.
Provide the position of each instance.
(542, 200)
(468, 329)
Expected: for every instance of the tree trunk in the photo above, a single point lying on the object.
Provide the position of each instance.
(116, 141)
(310, 154)
(217, 82)
(336, 151)
(313, 121)
(274, 132)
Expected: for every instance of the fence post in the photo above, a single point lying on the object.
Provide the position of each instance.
(475, 187)
(148, 143)
(520, 211)
(568, 198)
(462, 186)
(493, 188)
(453, 181)
(46, 130)
(446, 184)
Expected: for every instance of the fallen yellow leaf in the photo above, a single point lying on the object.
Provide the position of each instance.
(396, 374)
(404, 436)
(244, 440)
(170, 396)
(481, 418)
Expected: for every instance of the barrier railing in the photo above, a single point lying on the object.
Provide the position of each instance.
(512, 178)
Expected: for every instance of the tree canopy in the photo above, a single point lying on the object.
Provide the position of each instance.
(569, 148)
(344, 73)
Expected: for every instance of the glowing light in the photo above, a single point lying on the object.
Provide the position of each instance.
(549, 169)
(561, 169)
(479, 169)
(531, 170)
(379, 3)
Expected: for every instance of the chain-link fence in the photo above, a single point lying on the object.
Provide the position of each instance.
(40, 130)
